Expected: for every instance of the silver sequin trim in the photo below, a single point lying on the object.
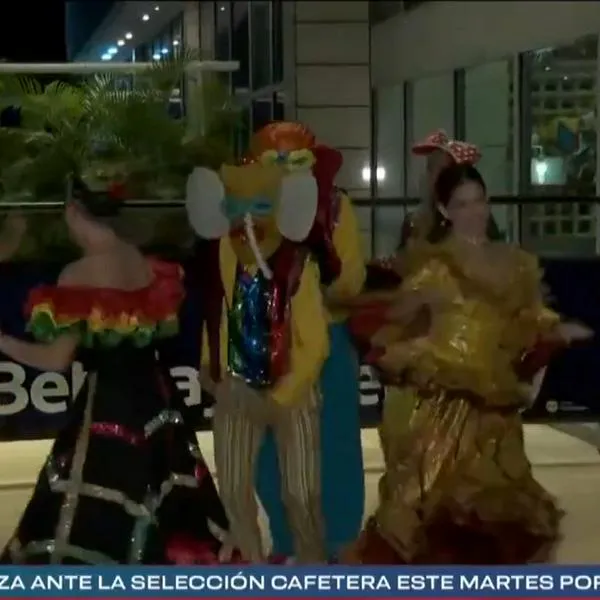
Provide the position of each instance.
(73, 485)
(135, 509)
(20, 553)
(166, 417)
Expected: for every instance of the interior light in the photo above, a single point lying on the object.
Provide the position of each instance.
(106, 56)
(366, 174)
(157, 8)
(129, 35)
(156, 56)
(222, 8)
(120, 42)
(145, 17)
(164, 51)
(175, 42)
(541, 170)
(113, 50)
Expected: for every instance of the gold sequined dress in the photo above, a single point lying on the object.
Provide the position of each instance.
(458, 487)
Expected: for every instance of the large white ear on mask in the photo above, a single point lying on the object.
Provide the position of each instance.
(297, 206)
(203, 201)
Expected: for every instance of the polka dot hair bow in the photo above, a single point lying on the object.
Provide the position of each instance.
(461, 152)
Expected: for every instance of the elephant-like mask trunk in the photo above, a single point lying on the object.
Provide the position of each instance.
(260, 259)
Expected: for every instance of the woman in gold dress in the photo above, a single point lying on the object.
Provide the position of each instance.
(439, 152)
(458, 487)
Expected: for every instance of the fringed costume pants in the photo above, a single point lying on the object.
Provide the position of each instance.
(342, 474)
(242, 416)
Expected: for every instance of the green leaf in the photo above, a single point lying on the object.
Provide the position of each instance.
(112, 126)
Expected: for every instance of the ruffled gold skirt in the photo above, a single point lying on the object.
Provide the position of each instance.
(458, 489)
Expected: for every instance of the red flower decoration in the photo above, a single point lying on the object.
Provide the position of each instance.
(117, 191)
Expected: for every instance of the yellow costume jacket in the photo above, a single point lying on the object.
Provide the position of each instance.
(348, 245)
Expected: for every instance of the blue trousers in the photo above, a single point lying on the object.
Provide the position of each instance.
(343, 491)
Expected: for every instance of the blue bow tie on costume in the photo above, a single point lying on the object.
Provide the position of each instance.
(235, 208)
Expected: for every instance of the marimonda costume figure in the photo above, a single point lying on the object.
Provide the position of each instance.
(264, 340)
(335, 243)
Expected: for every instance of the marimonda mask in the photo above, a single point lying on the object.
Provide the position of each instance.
(256, 204)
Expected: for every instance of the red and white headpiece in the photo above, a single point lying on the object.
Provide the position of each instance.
(461, 152)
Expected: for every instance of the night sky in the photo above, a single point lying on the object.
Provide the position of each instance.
(32, 31)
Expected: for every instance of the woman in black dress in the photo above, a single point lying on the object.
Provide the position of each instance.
(125, 481)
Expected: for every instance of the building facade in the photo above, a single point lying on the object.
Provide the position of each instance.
(517, 79)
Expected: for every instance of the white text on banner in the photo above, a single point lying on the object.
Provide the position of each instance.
(279, 582)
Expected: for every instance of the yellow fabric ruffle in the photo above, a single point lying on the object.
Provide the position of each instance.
(478, 330)
(463, 462)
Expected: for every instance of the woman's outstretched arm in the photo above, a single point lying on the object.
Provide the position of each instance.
(55, 356)
(52, 356)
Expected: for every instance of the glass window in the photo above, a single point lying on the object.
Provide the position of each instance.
(242, 134)
(165, 43)
(156, 47)
(260, 37)
(277, 37)
(489, 91)
(431, 107)
(390, 143)
(279, 106)
(559, 118)
(388, 226)
(141, 53)
(178, 32)
(262, 113)
(223, 31)
(240, 40)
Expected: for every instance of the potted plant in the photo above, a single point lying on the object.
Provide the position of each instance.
(111, 129)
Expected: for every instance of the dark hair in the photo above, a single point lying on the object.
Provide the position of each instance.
(98, 204)
(446, 184)
(106, 207)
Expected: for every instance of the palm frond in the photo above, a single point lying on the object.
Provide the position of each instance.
(165, 75)
(115, 126)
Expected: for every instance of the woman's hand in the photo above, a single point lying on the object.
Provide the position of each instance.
(54, 356)
(571, 331)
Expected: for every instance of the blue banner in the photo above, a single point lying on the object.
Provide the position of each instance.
(33, 404)
(313, 582)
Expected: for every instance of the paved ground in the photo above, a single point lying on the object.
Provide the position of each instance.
(570, 469)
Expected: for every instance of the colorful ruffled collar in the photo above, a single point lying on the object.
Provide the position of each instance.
(108, 316)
